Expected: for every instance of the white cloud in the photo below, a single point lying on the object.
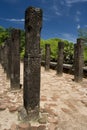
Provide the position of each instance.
(15, 20)
(70, 2)
(78, 26)
(77, 16)
(77, 19)
(68, 36)
(56, 10)
(46, 18)
(12, 20)
(78, 12)
(58, 13)
(85, 26)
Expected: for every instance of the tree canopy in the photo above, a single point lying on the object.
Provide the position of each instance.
(68, 49)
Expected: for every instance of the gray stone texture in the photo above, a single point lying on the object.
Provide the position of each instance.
(2, 56)
(47, 56)
(60, 58)
(8, 60)
(78, 60)
(5, 56)
(32, 61)
(14, 59)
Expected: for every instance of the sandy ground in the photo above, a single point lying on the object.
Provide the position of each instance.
(61, 97)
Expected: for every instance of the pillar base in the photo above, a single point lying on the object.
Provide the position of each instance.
(30, 115)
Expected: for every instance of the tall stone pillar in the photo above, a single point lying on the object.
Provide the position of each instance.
(0, 54)
(15, 59)
(32, 61)
(60, 58)
(5, 55)
(78, 60)
(47, 56)
(8, 57)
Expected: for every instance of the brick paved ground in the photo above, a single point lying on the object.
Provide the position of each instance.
(63, 103)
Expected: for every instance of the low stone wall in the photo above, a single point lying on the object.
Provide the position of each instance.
(67, 68)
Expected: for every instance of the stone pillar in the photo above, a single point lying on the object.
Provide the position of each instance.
(78, 60)
(32, 61)
(0, 54)
(60, 58)
(15, 59)
(5, 55)
(47, 56)
(8, 57)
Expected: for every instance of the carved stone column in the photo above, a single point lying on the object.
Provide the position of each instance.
(47, 56)
(78, 60)
(32, 61)
(15, 59)
(60, 58)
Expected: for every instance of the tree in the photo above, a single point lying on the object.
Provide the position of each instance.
(3, 35)
(82, 33)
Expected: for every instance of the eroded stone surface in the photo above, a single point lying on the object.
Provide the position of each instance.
(32, 61)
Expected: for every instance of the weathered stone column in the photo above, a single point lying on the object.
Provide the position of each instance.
(15, 59)
(78, 60)
(0, 54)
(47, 56)
(32, 61)
(3, 56)
(60, 58)
(8, 57)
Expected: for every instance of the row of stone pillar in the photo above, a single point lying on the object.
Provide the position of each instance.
(78, 59)
(10, 58)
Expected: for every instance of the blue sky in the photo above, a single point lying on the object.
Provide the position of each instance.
(61, 18)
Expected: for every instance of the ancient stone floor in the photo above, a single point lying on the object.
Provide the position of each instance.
(63, 103)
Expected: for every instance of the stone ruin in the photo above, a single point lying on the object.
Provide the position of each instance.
(15, 59)
(32, 61)
(47, 56)
(60, 58)
(78, 60)
(10, 60)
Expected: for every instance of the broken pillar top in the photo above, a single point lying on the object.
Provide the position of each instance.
(61, 44)
(33, 24)
(15, 34)
(33, 17)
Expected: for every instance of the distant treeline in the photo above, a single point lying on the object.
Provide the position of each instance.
(68, 49)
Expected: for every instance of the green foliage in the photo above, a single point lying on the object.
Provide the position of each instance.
(82, 33)
(3, 35)
(68, 52)
(53, 45)
(68, 49)
(22, 44)
(85, 52)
